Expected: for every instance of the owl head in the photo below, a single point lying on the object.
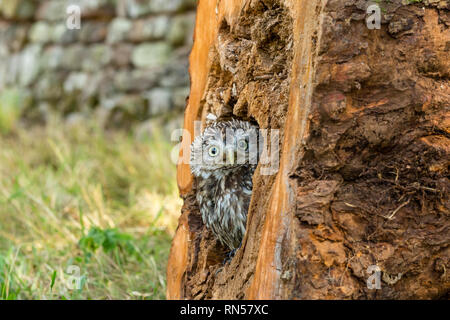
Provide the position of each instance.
(223, 147)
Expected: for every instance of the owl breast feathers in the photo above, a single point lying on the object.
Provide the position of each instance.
(223, 160)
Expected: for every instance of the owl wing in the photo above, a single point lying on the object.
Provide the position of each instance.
(205, 199)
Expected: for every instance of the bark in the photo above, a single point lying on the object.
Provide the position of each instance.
(363, 177)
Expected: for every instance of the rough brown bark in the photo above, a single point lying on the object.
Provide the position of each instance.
(363, 178)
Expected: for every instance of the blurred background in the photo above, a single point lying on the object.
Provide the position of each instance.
(88, 196)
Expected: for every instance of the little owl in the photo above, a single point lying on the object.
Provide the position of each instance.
(223, 160)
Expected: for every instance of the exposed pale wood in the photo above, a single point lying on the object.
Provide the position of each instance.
(267, 281)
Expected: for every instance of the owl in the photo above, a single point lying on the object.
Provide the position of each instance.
(223, 160)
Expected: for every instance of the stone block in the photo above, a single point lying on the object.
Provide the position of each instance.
(49, 86)
(29, 64)
(52, 58)
(14, 36)
(52, 10)
(73, 57)
(118, 30)
(61, 35)
(136, 80)
(149, 29)
(92, 32)
(40, 32)
(175, 75)
(151, 55)
(182, 30)
(76, 81)
(122, 55)
(179, 97)
(97, 57)
(17, 9)
(160, 101)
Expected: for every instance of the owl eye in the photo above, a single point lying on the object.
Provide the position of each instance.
(243, 145)
(213, 151)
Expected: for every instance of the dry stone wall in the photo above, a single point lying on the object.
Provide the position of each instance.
(128, 61)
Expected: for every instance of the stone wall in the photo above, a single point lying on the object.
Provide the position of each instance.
(128, 61)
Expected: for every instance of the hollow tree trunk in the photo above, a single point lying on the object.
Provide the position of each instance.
(363, 176)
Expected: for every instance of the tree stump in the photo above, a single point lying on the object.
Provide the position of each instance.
(359, 207)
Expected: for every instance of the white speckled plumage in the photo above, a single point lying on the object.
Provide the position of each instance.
(224, 185)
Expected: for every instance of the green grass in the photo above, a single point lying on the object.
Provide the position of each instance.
(85, 214)
(12, 101)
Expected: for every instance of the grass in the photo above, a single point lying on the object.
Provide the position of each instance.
(84, 213)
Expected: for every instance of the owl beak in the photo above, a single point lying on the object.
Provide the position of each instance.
(230, 156)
